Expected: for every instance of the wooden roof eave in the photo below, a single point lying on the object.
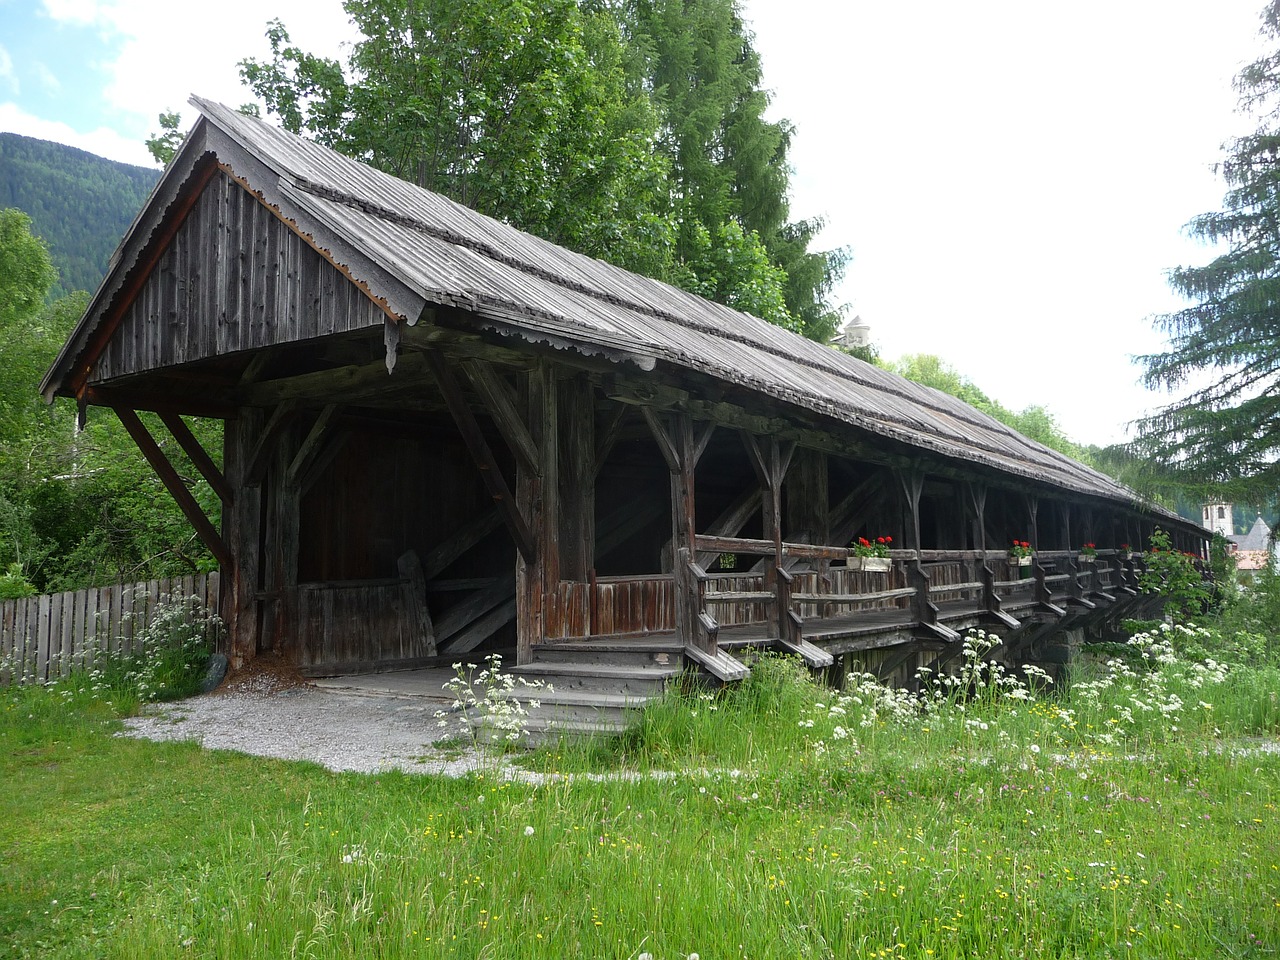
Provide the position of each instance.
(206, 150)
(173, 195)
(1007, 475)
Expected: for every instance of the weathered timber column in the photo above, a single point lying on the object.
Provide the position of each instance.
(1066, 527)
(912, 483)
(681, 449)
(771, 465)
(977, 497)
(537, 500)
(808, 499)
(683, 525)
(1033, 510)
(241, 529)
(577, 477)
(282, 518)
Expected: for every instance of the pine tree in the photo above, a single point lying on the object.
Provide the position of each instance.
(1226, 435)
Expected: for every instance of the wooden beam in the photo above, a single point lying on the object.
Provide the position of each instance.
(333, 444)
(311, 445)
(666, 444)
(447, 551)
(502, 411)
(414, 596)
(267, 439)
(198, 455)
(492, 477)
(158, 401)
(331, 383)
(607, 438)
(173, 483)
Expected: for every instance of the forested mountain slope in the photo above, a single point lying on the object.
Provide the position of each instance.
(80, 204)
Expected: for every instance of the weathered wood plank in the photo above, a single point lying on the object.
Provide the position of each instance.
(414, 594)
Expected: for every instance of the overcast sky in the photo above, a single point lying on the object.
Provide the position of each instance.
(1011, 178)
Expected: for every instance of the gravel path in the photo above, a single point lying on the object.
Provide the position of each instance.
(339, 729)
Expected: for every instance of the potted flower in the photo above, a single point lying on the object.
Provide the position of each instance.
(1088, 553)
(1123, 553)
(871, 556)
(1020, 554)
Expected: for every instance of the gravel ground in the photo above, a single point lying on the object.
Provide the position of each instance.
(341, 730)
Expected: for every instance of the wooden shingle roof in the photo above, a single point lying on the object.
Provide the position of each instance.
(447, 254)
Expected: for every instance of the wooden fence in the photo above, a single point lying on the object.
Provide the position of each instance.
(43, 637)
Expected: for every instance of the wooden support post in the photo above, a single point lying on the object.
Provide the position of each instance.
(482, 455)
(242, 531)
(912, 483)
(1033, 510)
(679, 448)
(576, 407)
(808, 499)
(1067, 542)
(414, 596)
(977, 497)
(770, 466)
(537, 493)
(173, 483)
(260, 456)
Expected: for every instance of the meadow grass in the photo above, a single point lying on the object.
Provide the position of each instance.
(1133, 815)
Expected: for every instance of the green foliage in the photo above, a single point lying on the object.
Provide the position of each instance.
(1225, 435)
(633, 132)
(1131, 815)
(728, 163)
(521, 111)
(14, 583)
(1173, 575)
(164, 145)
(80, 204)
(1034, 422)
(77, 508)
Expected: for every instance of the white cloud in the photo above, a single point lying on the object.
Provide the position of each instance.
(165, 52)
(103, 141)
(75, 12)
(7, 77)
(47, 78)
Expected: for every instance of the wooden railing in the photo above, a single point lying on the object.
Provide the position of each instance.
(929, 584)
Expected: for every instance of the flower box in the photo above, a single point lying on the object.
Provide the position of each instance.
(871, 564)
(1087, 558)
(1021, 561)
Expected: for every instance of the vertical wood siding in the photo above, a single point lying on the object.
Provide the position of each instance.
(233, 278)
(43, 638)
(611, 606)
(356, 625)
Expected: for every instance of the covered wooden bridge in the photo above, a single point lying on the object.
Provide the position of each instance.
(443, 433)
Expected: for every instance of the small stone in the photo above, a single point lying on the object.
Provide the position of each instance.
(214, 673)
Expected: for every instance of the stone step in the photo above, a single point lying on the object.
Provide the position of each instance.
(642, 653)
(600, 677)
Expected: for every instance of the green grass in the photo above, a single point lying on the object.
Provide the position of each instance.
(1010, 828)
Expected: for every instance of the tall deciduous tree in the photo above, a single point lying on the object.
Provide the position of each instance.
(634, 132)
(1225, 433)
(521, 110)
(729, 162)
